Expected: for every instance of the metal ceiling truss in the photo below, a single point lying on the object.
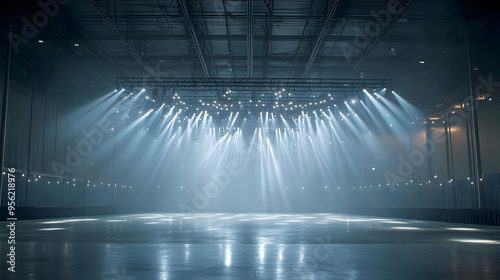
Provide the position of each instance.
(379, 38)
(256, 84)
(194, 37)
(250, 38)
(268, 30)
(229, 46)
(113, 26)
(321, 37)
(293, 72)
(250, 96)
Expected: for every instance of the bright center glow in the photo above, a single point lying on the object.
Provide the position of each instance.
(464, 229)
(478, 241)
(185, 147)
(407, 228)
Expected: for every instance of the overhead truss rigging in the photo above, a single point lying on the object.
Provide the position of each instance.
(256, 84)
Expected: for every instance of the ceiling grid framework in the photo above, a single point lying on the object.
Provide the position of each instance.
(418, 44)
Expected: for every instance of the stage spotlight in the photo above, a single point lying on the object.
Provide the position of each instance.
(353, 101)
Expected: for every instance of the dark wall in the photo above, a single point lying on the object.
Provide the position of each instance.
(41, 129)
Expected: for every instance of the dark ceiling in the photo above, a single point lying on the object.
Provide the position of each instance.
(420, 45)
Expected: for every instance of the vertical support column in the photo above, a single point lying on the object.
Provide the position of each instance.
(449, 149)
(250, 38)
(477, 158)
(448, 155)
(3, 127)
(478, 173)
(447, 140)
(412, 162)
(428, 139)
(30, 127)
(469, 141)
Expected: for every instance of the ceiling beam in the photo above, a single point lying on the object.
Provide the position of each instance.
(319, 41)
(250, 38)
(113, 26)
(73, 53)
(194, 37)
(175, 39)
(291, 85)
(425, 31)
(229, 46)
(240, 15)
(268, 30)
(302, 38)
(378, 39)
(257, 37)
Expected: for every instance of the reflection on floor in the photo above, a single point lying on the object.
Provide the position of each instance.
(250, 246)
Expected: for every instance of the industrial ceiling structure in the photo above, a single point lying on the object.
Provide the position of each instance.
(313, 49)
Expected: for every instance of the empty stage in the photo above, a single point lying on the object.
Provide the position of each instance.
(250, 246)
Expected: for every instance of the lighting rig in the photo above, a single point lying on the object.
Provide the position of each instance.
(250, 97)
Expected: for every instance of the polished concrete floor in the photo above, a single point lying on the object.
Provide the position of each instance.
(250, 246)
